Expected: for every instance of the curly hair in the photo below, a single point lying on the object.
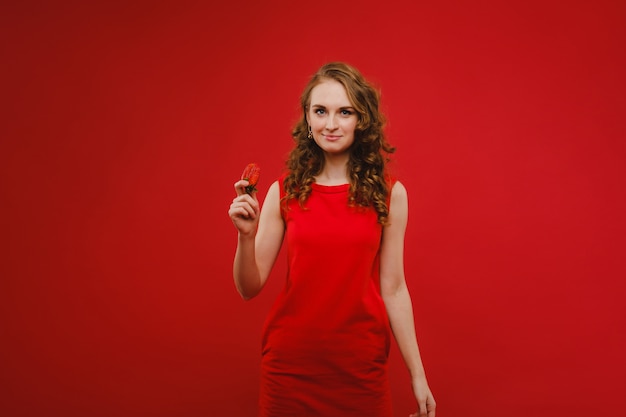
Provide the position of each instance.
(367, 174)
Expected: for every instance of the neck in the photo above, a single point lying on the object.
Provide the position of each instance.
(335, 171)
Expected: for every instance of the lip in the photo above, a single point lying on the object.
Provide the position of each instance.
(332, 138)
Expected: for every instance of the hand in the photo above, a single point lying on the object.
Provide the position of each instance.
(425, 400)
(244, 210)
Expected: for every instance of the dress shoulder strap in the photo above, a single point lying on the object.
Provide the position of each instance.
(281, 187)
(391, 181)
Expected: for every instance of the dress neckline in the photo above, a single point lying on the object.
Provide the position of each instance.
(330, 188)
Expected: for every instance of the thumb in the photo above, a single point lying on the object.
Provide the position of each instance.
(253, 194)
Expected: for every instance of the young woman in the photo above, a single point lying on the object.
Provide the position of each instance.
(326, 340)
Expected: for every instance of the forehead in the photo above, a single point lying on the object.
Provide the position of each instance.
(330, 93)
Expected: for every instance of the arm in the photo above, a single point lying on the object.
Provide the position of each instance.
(397, 300)
(260, 237)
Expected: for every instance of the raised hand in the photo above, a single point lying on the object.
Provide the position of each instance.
(244, 210)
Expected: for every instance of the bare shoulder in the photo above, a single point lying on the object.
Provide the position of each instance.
(274, 189)
(272, 198)
(399, 195)
(398, 188)
(271, 225)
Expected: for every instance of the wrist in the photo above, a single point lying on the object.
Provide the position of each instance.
(417, 374)
(246, 236)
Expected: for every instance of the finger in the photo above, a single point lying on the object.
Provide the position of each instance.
(243, 209)
(238, 212)
(248, 199)
(245, 202)
(422, 408)
(431, 408)
(240, 187)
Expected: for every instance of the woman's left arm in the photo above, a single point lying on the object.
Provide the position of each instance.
(397, 299)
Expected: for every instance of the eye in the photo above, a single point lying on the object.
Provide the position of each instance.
(345, 112)
(320, 111)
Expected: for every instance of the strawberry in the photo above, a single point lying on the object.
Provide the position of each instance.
(251, 174)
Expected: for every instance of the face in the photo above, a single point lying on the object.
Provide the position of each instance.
(332, 117)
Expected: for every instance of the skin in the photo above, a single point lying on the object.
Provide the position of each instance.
(332, 120)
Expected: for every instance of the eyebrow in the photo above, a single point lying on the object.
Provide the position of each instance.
(320, 106)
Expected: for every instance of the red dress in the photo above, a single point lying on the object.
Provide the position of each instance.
(326, 340)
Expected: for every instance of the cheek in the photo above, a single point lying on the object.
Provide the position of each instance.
(317, 124)
(350, 126)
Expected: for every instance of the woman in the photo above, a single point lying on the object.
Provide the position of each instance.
(326, 339)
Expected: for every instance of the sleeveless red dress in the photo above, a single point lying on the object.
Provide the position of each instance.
(326, 340)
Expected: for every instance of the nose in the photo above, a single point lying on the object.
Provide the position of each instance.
(331, 123)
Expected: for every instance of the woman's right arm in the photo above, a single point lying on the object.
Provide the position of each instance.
(261, 234)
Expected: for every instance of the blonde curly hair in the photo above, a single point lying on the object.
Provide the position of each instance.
(369, 185)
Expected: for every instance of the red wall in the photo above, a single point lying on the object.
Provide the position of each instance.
(124, 127)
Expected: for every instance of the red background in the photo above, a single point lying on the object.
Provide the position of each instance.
(124, 127)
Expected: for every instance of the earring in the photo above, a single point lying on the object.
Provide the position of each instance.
(310, 135)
